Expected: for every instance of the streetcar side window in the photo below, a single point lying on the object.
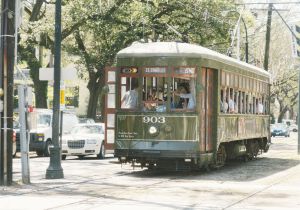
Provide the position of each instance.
(183, 94)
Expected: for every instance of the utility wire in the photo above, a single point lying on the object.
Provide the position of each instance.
(285, 22)
(264, 3)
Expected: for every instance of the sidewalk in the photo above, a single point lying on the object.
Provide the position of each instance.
(270, 182)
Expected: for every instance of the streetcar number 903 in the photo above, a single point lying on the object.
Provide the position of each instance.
(154, 119)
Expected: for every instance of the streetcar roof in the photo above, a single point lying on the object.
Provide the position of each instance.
(177, 49)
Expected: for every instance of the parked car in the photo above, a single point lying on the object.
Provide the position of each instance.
(280, 129)
(86, 120)
(84, 139)
(293, 127)
(288, 122)
(40, 126)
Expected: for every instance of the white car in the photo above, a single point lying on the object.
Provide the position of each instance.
(84, 139)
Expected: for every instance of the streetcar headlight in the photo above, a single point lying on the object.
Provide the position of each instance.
(153, 130)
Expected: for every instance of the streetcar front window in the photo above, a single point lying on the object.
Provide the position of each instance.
(160, 89)
(129, 93)
(155, 94)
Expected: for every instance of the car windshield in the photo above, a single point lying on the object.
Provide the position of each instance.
(280, 126)
(88, 129)
(43, 120)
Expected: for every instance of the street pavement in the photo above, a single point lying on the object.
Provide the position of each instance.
(270, 182)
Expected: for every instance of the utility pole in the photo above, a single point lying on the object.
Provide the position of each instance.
(24, 140)
(268, 35)
(7, 45)
(55, 171)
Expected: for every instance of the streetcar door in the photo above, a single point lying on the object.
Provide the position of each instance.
(110, 109)
(208, 109)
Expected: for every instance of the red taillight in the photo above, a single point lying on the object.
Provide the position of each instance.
(30, 108)
(14, 136)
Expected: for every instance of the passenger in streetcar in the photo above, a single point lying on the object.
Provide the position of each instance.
(224, 107)
(260, 107)
(187, 100)
(130, 99)
(231, 104)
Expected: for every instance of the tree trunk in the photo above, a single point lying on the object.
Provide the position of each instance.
(292, 114)
(282, 113)
(94, 91)
(40, 87)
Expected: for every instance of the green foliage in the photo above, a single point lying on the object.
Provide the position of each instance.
(95, 30)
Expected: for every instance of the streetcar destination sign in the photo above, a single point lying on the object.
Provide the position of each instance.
(155, 70)
(185, 70)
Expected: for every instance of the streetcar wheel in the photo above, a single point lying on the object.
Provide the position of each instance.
(221, 156)
(150, 166)
(253, 149)
(245, 158)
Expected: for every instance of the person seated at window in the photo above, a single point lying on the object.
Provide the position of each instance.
(130, 99)
(231, 105)
(150, 104)
(225, 105)
(187, 100)
(260, 107)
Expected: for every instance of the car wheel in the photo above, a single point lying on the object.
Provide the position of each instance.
(47, 149)
(294, 130)
(101, 154)
(40, 153)
(80, 156)
(63, 157)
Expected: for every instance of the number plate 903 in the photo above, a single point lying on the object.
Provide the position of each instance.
(154, 119)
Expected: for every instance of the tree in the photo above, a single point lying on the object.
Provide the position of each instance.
(27, 54)
(96, 30)
(115, 26)
(282, 67)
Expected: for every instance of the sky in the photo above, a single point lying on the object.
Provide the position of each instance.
(289, 9)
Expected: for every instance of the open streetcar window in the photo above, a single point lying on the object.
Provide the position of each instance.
(183, 89)
(129, 91)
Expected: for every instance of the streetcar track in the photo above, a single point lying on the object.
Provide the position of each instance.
(261, 190)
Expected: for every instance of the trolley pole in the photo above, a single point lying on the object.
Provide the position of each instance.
(55, 171)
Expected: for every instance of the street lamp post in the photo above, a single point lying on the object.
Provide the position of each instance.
(246, 43)
(246, 33)
(55, 171)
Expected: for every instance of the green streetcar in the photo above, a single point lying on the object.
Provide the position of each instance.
(181, 106)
